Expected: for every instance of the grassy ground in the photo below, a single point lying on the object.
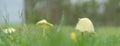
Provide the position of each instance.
(31, 35)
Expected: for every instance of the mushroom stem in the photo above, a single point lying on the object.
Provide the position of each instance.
(44, 32)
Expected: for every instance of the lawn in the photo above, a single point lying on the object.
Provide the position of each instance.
(31, 35)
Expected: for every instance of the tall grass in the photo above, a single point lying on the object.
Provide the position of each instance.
(32, 36)
(62, 21)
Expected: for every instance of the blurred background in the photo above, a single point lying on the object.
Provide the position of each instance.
(101, 12)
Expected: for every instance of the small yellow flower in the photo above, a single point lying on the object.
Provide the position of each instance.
(85, 25)
(9, 30)
(73, 36)
(43, 23)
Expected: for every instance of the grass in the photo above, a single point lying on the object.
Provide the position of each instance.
(31, 35)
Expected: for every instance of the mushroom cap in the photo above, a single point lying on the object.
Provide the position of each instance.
(44, 23)
(85, 25)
